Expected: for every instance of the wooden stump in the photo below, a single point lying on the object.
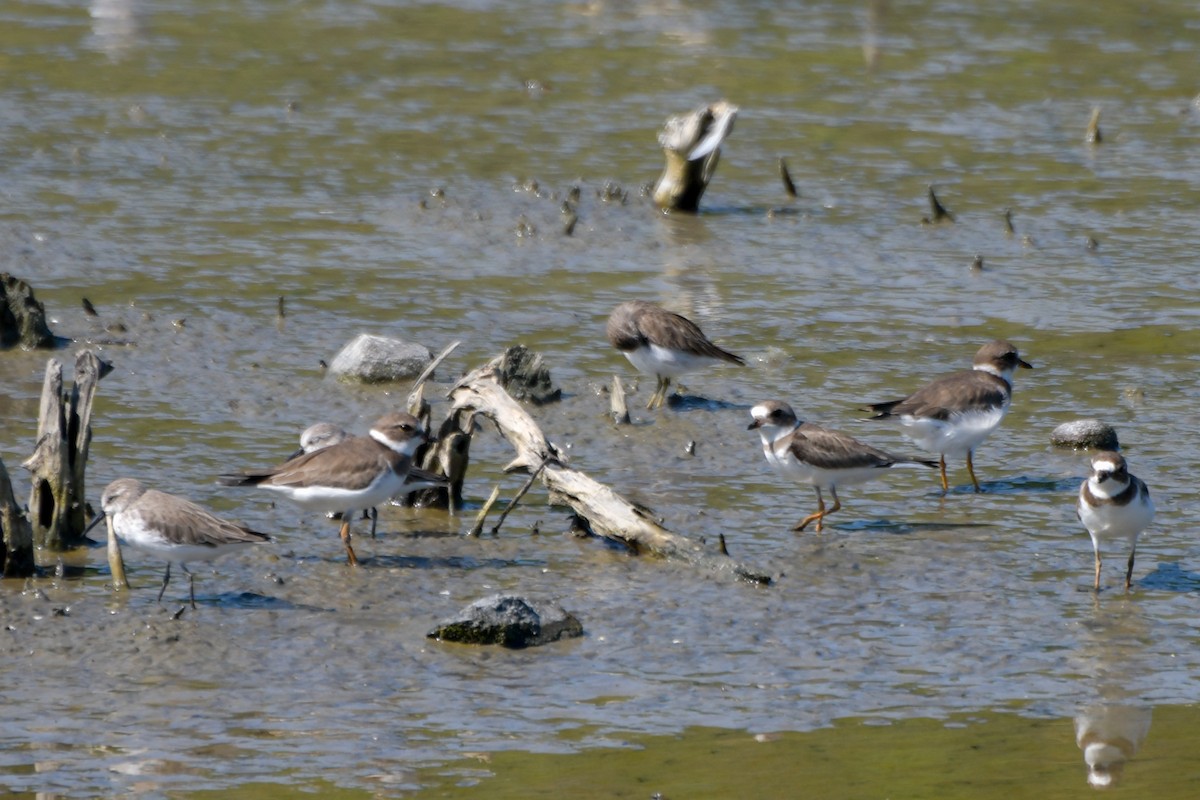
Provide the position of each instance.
(57, 500)
(16, 549)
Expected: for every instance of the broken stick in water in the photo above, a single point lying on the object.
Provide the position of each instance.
(607, 513)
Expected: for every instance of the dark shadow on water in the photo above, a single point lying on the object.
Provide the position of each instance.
(386, 561)
(900, 528)
(1170, 577)
(691, 402)
(1022, 484)
(256, 601)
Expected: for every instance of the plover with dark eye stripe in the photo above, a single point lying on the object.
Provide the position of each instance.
(820, 457)
(662, 343)
(954, 414)
(169, 527)
(359, 472)
(1115, 507)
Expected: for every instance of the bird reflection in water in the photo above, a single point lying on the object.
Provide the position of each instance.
(1109, 735)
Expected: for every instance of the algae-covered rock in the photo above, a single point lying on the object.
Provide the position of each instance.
(524, 375)
(1085, 434)
(509, 621)
(378, 359)
(22, 317)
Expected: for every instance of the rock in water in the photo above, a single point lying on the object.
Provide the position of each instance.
(524, 375)
(1085, 434)
(22, 317)
(509, 621)
(378, 359)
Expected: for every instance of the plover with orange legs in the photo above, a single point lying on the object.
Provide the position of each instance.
(169, 527)
(359, 472)
(954, 414)
(663, 344)
(1115, 507)
(821, 457)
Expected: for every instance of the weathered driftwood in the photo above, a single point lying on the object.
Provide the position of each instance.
(606, 512)
(58, 498)
(22, 317)
(692, 146)
(618, 408)
(16, 549)
(448, 454)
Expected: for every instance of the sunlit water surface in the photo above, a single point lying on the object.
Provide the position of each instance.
(400, 168)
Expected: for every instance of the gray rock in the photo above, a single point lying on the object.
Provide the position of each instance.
(509, 621)
(377, 359)
(22, 317)
(1085, 434)
(525, 376)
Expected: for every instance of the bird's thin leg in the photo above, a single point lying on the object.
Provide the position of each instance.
(166, 580)
(374, 513)
(945, 483)
(1129, 570)
(1096, 585)
(837, 504)
(654, 397)
(971, 470)
(191, 584)
(351, 559)
(817, 515)
(666, 391)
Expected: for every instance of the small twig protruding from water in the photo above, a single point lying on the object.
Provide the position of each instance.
(721, 544)
(788, 186)
(521, 493)
(425, 373)
(1094, 136)
(939, 212)
(619, 409)
(977, 263)
(89, 309)
(477, 527)
(1008, 223)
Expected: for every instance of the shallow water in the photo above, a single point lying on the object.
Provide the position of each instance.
(183, 166)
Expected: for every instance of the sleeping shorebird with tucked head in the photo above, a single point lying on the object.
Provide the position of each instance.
(820, 457)
(169, 527)
(661, 343)
(954, 414)
(358, 472)
(1115, 506)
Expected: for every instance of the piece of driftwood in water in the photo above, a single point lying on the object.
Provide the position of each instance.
(58, 498)
(618, 408)
(692, 146)
(1093, 135)
(22, 317)
(606, 512)
(447, 454)
(16, 555)
(938, 213)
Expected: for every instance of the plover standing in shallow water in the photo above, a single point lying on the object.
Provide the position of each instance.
(1115, 507)
(661, 343)
(169, 527)
(359, 472)
(820, 457)
(954, 414)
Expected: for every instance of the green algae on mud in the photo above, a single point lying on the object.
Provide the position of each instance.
(978, 755)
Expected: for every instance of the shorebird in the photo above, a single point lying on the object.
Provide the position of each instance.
(954, 414)
(1115, 506)
(169, 527)
(324, 434)
(661, 343)
(820, 457)
(358, 472)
